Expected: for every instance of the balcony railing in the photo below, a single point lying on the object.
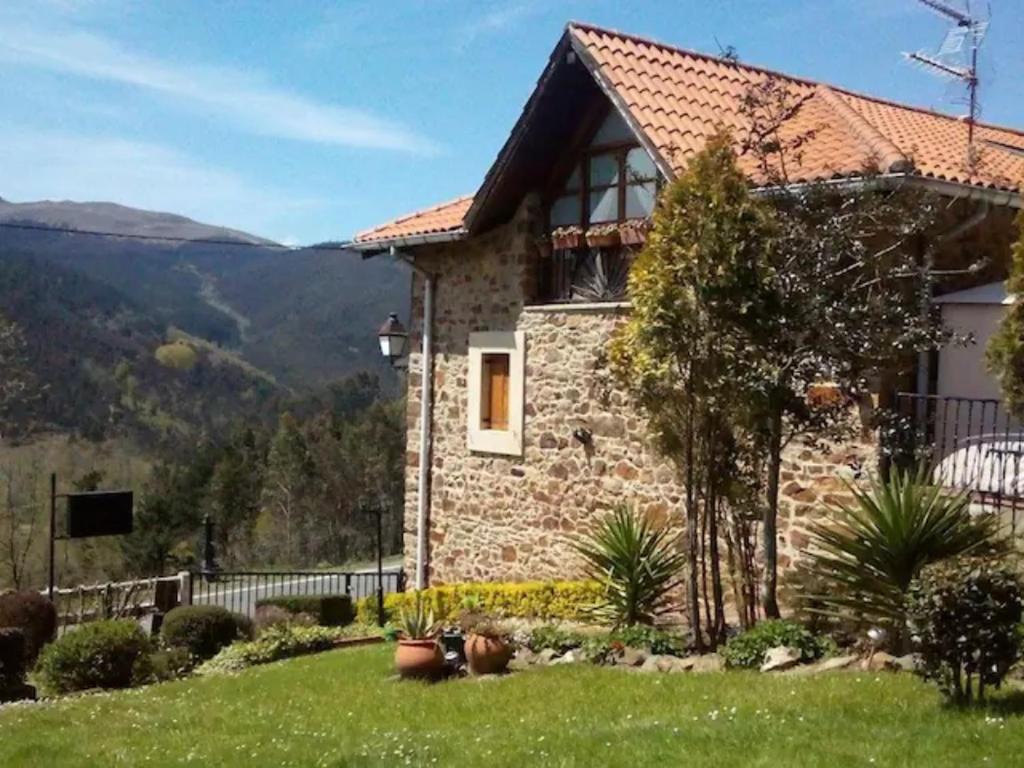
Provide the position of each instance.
(970, 444)
(584, 275)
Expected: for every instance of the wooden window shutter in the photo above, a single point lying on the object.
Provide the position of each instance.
(494, 397)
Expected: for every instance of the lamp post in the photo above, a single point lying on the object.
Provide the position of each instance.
(370, 508)
(392, 337)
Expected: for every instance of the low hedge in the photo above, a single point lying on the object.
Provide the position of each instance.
(102, 654)
(203, 630)
(34, 615)
(326, 610)
(544, 600)
(276, 643)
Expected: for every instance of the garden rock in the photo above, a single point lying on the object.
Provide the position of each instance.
(825, 665)
(709, 662)
(546, 656)
(571, 657)
(908, 663)
(880, 661)
(780, 658)
(524, 658)
(633, 657)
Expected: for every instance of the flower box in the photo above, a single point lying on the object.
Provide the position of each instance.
(633, 232)
(566, 238)
(604, 236)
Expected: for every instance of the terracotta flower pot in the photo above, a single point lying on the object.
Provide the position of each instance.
(603, 239)
(487, 655)
(565, 242)
(419, 659)
(632, 235)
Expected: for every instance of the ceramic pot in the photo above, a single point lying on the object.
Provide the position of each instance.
(419, 659)
(487, 655)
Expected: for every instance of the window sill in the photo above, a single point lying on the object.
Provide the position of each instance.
(579, 306)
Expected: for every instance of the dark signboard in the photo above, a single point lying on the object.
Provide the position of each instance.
(103, 513)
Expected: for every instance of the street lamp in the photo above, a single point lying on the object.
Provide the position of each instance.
(392, 337)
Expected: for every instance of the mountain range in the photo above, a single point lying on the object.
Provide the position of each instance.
(260, 322)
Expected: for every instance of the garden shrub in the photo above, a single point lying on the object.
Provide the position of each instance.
(555, 638)
(34, 615)
(544, 600)
(102, 654)
(12, 659)
(281, 642)
(747, 650)
(203, 630)
(268, 616)
(657, 641)
(965, 616)
(326, 610)
(170, 664)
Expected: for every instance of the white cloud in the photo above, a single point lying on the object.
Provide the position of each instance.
(232, 95)
(39, 166)
(494, 21)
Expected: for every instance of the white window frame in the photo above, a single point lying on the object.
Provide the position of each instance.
(507, 442)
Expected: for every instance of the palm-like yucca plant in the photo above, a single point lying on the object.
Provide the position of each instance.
(637, 564)
(869, 553)
(417, 622)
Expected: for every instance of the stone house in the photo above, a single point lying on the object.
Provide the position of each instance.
(517, 438)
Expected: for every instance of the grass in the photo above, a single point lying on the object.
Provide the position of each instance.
(342, 709)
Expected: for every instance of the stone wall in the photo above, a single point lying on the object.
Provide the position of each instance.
(502, 518)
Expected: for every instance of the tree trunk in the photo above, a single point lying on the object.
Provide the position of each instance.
(771, 514)
(692, 543)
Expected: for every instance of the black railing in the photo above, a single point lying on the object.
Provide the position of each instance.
(584, 274)
(240, 591)
(970, 444)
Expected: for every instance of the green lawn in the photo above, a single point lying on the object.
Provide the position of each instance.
(342, 709)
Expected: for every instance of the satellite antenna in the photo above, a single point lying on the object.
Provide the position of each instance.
(957, 57)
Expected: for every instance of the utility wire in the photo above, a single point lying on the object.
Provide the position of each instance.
(172, 239)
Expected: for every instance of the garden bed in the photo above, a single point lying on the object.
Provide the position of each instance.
(343, 708)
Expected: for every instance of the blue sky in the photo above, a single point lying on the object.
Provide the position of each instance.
(307, 120)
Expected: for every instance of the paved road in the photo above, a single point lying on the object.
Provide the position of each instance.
(241, 593)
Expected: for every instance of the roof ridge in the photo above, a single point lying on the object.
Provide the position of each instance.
(784, 75)
(889, 155)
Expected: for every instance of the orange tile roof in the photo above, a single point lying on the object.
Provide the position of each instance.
(676, 99)
(438, 219)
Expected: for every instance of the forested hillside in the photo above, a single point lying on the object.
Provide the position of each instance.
(233, 378)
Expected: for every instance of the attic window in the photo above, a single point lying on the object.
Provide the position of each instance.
(613, 180)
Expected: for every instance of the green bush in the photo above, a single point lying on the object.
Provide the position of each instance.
(203, 630)
(748, 649)
(656, 641)
(280, 642)
(965, 617)
(554, 637)
(34, 615)
(103, 654)
(544, 600)
(326, 610)
(12, 659)
(170, 664)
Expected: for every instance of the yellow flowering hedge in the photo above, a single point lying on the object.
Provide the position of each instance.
(546, 600)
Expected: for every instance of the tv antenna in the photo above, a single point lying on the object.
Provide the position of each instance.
(957, 57)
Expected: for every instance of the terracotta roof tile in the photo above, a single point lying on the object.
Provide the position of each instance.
(678, 99)
(446, 217)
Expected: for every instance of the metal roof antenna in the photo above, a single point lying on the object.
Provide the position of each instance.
(957, 57)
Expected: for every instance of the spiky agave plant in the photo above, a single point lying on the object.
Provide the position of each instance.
(867, 553)
(417, 622)
(636, 562)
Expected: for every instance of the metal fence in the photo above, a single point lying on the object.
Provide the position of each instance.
(241, 591)
(970, 444)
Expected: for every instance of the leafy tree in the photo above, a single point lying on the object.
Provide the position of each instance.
(1006, 347)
